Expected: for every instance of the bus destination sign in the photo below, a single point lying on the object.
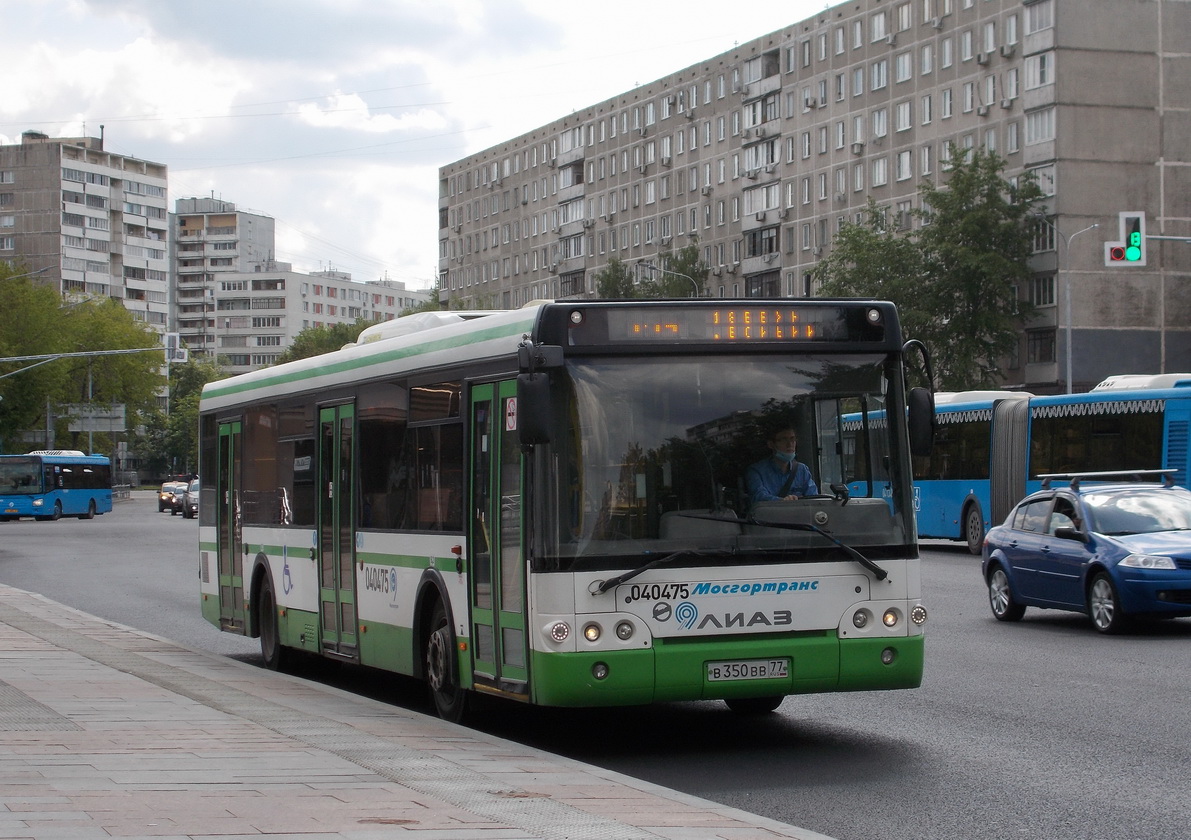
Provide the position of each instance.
(735, 324)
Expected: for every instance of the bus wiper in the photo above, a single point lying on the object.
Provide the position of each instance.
(880, 573)
(603, 586)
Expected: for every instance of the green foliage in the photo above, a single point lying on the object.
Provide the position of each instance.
(170, 442)
(35, 321)
(314, 341)
(615, 281)
(674, 274)
(955, 277)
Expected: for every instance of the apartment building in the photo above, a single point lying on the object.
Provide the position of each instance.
(211, 238)
(255, 315)
(87, 221)
(761, 154)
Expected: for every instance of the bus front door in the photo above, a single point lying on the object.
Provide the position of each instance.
(336, 530)
(499, 645)
(228, 527)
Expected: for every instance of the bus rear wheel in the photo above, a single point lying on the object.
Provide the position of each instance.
(450, 700)
(90, 514)
(974, 529)
(272, 651)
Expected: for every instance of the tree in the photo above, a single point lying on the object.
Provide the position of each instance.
(36, 322)
(954, 278)
(615, 281)
(673, 274)
(314, 341)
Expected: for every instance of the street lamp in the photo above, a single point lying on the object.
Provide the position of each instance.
(1064, 271)
(652, 267)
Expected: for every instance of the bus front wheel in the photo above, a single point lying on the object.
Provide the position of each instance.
(974, 529)
(450, 700)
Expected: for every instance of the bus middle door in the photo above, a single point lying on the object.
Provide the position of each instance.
(499, 644)
(336, 530)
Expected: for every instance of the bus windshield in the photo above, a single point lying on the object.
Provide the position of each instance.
(20, 476)
(652, 456)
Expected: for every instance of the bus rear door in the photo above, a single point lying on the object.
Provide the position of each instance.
(336, 530)
(497, 561)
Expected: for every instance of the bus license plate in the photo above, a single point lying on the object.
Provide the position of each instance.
(748, 669)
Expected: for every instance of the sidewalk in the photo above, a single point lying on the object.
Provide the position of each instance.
(108, 732)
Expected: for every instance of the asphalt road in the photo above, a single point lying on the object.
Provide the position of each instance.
(1041, 729)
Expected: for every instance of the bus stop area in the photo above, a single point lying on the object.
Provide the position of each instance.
(106, 731)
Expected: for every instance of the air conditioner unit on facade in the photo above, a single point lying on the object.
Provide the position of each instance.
(857, 148)
(982, 58)
(761, 216)
(936, 23)
(665, 160)
(1007, 49)
(1006, 103)
(666, 240)
(760, 131)
(818, 252)
(717, 272)
(588, 222)
(982, 110)
(771, 167)
(706, 190)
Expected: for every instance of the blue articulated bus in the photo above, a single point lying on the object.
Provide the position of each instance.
(990, 447)
(50, 484)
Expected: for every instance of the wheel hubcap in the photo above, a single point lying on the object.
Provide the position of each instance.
(998, 592)
(1103, 605)
(436, 660)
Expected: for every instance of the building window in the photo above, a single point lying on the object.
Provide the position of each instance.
(1042, 290)
(1040, 126)
(1040, 345)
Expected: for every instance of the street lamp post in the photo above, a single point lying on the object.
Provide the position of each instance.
(652, 267)
(1065, 268)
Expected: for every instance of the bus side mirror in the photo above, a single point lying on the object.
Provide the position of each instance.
(921, 403)
(533, 408)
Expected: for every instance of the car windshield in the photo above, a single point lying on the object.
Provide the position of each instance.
(654, 458)
(1139, 511)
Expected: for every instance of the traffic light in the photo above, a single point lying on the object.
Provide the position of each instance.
(1131, 249)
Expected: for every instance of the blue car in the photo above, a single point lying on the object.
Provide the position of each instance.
(1112, 551)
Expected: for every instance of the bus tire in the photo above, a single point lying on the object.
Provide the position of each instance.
(90, 514)
(272, 651)
(974, 529)
(57, 514)
(754, 705)
(441, 668)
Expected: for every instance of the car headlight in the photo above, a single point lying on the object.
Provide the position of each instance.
(1147, 561)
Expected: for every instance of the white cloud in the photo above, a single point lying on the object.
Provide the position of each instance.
(333, 116)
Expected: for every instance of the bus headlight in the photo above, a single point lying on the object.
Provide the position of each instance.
(891, 617)
(37, 502)
(918, 615)
(560, 631)
(860, 619)
(624, 630)
(591, 632)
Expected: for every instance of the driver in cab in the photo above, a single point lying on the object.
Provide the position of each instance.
(780, 476)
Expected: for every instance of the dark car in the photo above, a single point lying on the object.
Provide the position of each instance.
(190, 500)
(1113, 551)
(170, 497)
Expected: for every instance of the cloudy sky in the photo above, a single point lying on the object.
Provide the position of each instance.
(333, 116)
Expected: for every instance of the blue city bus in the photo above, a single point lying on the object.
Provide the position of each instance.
(990, 447)
(50, 484)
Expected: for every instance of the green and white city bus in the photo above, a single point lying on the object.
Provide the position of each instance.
(549, 504)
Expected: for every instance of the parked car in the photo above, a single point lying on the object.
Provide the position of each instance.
(1113, 551)
(190, 500)
(170, 497)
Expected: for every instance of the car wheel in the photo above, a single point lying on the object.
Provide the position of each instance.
(974, 529)
(271, 649)
(450, 700)
(1000, 597)
(754, 705)
(1104, 605)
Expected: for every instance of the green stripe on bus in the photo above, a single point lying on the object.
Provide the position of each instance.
(231, 386)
